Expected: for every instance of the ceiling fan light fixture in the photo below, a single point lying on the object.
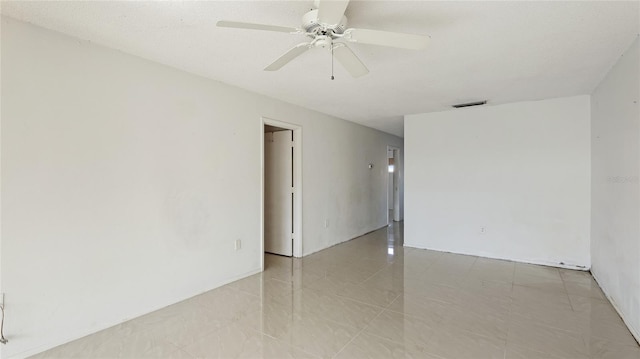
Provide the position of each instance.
(323, 41)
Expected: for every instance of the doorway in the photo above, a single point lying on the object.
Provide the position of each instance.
(281, 188)
(278, 191)
(393, 186)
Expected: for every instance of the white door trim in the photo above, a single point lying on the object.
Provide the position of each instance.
(297, 179)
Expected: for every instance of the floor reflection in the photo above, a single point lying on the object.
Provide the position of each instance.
(373, 298)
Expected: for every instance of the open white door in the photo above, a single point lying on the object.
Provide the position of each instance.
(278, 192)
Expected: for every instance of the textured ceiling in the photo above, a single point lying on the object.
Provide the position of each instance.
(499, 51)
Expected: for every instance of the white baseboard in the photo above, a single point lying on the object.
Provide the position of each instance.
(511, 259)
(346, 240)
(634, 331)
(84, 333)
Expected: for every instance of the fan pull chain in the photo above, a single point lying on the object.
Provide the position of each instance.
(332, 78)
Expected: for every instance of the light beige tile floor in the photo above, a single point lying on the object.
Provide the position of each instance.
(373, 298)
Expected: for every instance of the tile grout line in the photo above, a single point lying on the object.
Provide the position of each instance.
(564, 285)
(395, 342)
(509, 317)
(358, 334)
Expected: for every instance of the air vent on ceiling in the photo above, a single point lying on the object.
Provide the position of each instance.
(469, 104)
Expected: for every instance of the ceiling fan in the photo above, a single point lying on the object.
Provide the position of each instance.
(327, 27)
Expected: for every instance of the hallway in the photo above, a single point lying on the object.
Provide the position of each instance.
(371, 297)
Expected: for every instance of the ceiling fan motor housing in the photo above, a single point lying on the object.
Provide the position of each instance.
(310, 24)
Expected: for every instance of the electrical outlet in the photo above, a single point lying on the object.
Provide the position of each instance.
(238, 244)
(326, 223)
(483, 230)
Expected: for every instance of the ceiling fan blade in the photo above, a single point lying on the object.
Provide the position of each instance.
(331, 11)
(386, 38)
(288, 56)
(251, 26)
(349, 60)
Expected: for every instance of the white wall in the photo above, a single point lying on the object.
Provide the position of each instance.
(125, 184)
(615, 164)
(520, 171)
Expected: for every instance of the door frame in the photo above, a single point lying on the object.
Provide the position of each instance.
(297, 180)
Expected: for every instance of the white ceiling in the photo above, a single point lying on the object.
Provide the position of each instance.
(499, 51)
